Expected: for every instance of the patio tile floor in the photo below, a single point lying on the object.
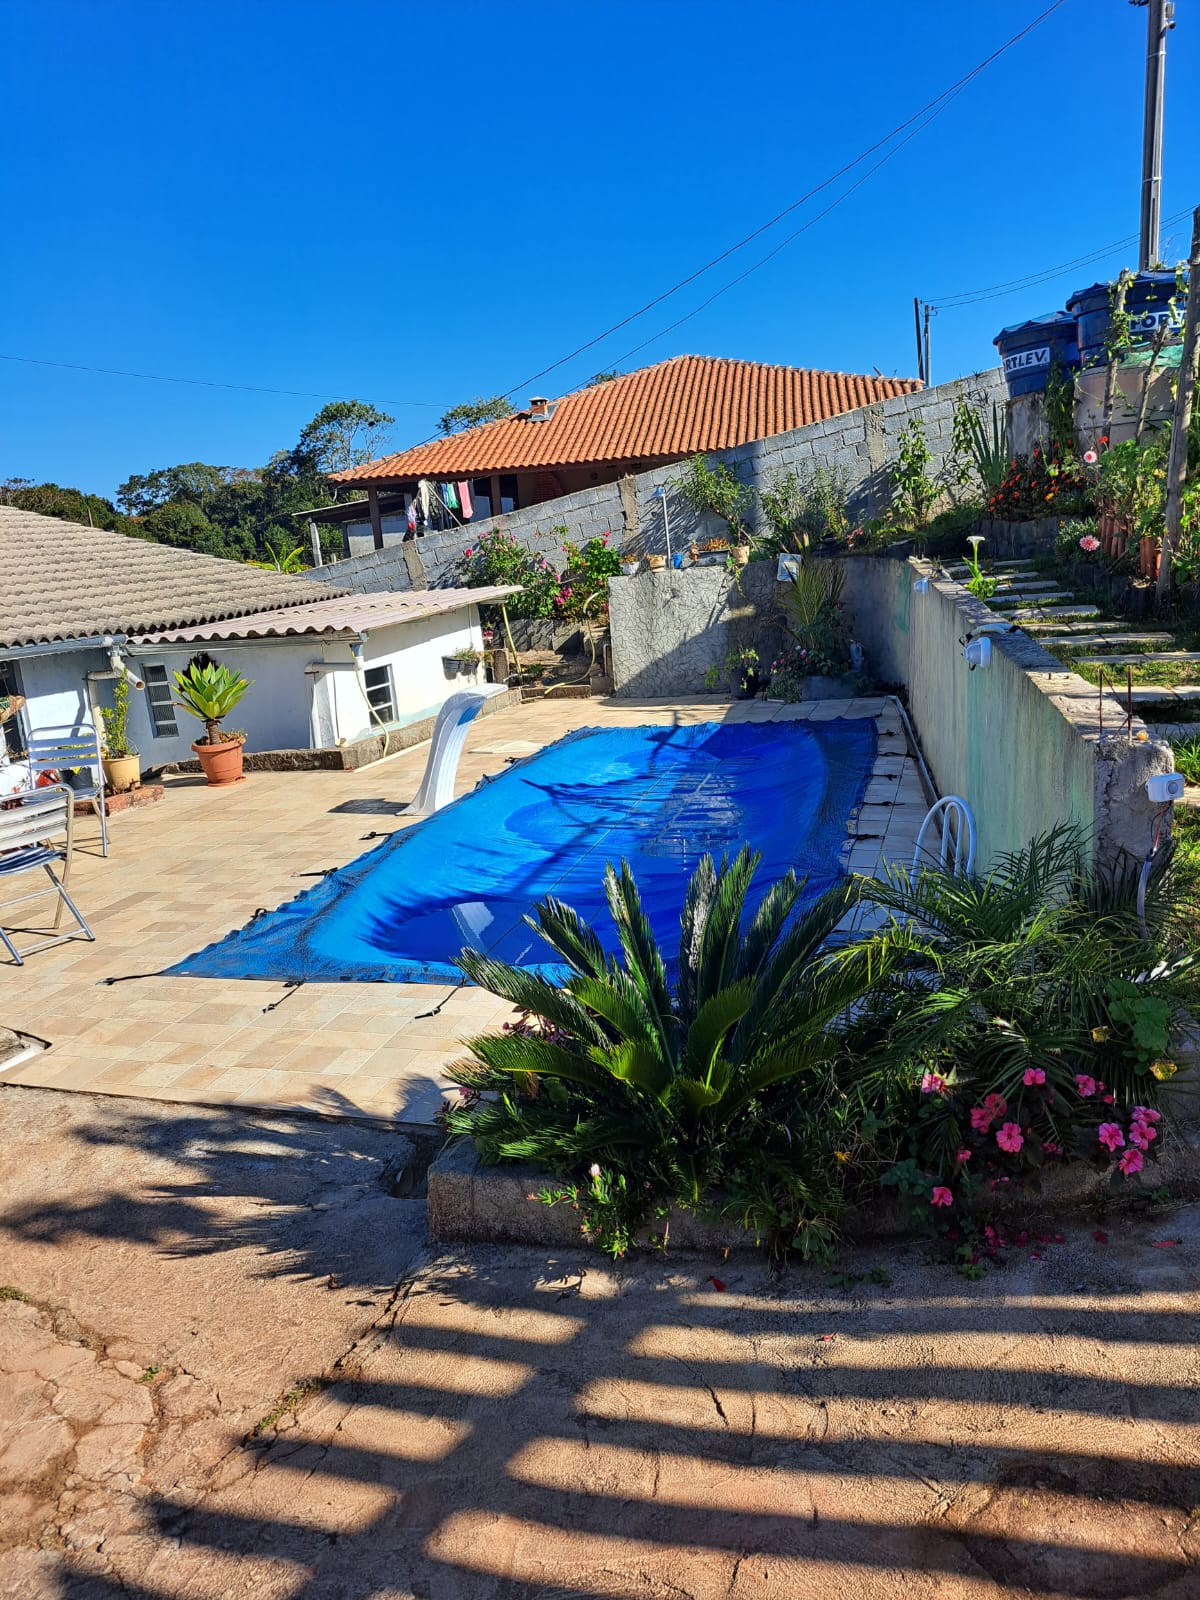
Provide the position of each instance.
(191, 869)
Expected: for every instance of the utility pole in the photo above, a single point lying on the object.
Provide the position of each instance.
(920, 354)
(1185, 395)
(1159, 20)
(928, 371)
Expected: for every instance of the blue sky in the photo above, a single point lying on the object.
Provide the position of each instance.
(420, 203)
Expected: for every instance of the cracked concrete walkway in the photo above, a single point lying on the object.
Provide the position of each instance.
(511, 1425)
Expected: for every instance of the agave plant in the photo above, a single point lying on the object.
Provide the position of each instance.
(656, 1081)
(209, 691)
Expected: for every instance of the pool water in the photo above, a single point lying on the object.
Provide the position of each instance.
(657, 797)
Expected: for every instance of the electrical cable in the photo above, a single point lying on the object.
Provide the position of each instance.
(995, 291)
(930, 105)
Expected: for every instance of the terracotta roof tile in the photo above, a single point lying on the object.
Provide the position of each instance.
(667, 411)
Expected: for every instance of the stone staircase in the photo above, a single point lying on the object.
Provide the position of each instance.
(1076, 631)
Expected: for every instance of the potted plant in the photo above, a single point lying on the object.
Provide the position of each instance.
(463, 663)
(629, 566)
(656, 562)
(741, 671)
(121, 762)
(209, 691)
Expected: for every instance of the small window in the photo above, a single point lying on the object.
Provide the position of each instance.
(10, 728)
(508, 493)
(158, 696)
(380, 695)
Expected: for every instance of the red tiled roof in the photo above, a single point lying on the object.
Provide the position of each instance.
(667, 411)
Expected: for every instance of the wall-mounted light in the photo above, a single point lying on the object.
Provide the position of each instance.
(977, 652)
(921, 586)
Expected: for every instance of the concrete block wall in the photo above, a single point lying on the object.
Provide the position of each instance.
(1025, 742)
(862, 442)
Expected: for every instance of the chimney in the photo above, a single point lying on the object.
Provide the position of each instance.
(539, 407)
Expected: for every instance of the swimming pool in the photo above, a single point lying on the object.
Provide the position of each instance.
(658, 797)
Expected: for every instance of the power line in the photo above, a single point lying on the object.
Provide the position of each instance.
(783, 243)
(929, 106)
(995, 291)
(203, 383)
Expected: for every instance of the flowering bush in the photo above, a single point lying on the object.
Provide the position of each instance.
(1040, 485)
(583, 590)
(1077, 541)
(497, 558)
(794, 664)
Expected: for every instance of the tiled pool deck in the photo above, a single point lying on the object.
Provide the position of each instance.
(183, 873)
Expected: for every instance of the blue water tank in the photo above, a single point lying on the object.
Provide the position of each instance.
(1151, 299)
(1027, 350)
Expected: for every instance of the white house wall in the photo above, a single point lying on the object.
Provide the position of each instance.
(275, 711)
(55, 687)
(414, 651)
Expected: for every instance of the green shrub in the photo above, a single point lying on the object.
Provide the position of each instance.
(496, 559)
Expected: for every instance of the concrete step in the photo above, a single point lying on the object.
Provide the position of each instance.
(1147, 693)
(1043, 629)
(1043, 597)
(1145, 659)
(1100, 641)
(1055, 611)
(991, 566)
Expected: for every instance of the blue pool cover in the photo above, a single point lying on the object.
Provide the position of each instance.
(658, 797)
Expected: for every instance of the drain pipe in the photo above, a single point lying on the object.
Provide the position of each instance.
(931, 789)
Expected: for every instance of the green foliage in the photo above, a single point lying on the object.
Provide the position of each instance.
(714, 488)
(800, 512)
(602, 377)
(209, 691)
(51, 500)
(1059, 413)
(619, 1075)
(115, 719)
(979, 584)
(473, 413)
(914, 492)
(741, 665)
(497, 559)
(813, 613)
(981, 453)
(583, 589)
(1187, 758)
(1040, 485)
(344, 434)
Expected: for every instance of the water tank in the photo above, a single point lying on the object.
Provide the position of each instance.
(1151, 299)
(1027, 350)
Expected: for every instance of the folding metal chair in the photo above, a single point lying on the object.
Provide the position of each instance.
(28, 822)
(60, 749)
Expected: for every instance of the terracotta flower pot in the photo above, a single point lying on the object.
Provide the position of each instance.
(222, 763)
(741, 554)
(122, 773)
(1148, 556)
(656, 563)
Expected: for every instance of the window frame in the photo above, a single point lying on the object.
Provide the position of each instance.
(382, 671)
(158, 730)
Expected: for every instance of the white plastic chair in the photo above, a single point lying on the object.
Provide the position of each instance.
(61, 749)
(449, 736)
(28, 822)
(957, 826)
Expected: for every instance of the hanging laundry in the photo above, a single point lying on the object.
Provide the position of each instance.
(464, 500)
(450, 496)
(412, 516)
(423, 501)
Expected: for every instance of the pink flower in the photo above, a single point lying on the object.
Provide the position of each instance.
(1033, 1075)
(1131, 1161)
(594, 1169)
(1141, 1134)
(1090, 543)
(1085, 1085)
(996, 1104)
(1051, 1149)
(962, 1154)
(1110, 1135)
(1090, 457)
(981, 1119)
(466, 555)
(932, 1084)
(1010, 1137)
(941, 1196)
(1147, 1114)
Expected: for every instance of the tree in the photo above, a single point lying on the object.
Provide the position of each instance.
(474, 412)
(343, 434)
(54, 500)
(193, 481)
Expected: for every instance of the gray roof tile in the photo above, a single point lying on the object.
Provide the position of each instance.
(60, 580)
